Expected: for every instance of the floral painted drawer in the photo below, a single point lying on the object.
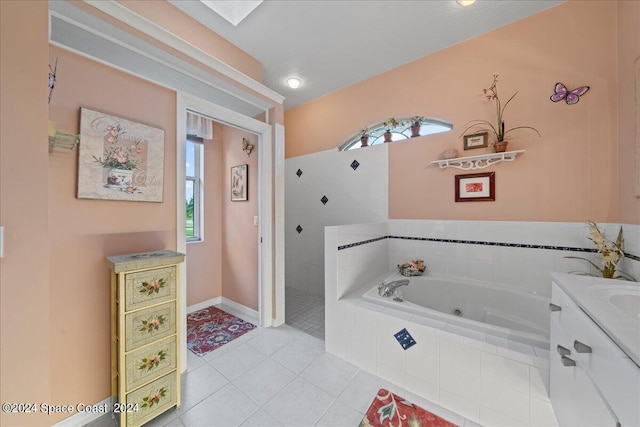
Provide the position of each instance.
(150, 362)
(148, 287)
(151, 400)
(149, 325)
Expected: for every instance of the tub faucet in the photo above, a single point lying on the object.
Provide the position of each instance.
(387, 289)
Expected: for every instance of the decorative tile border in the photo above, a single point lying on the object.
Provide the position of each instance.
(633, 257)
(364, 242)
(478, 242)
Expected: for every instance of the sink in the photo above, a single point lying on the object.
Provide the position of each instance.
(625, 298)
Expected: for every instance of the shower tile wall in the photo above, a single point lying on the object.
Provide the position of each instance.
(329, 188)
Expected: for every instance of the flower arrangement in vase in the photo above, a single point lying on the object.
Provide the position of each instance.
(388, 125)
(498, 128)
(119, 159)
(611, 254)
(364, 137)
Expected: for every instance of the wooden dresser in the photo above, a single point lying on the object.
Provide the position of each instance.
(145, 335)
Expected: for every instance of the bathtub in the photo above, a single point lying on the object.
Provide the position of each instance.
(488, 312)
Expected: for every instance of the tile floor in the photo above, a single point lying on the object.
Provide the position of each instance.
(305, 311)
(276, 377)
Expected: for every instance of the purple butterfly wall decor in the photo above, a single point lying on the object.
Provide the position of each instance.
(571, 96)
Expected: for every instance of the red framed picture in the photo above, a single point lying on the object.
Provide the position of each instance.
(476, 187)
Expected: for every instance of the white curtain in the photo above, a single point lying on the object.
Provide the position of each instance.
(199, 126)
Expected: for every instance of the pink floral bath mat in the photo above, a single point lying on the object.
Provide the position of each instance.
(388, 409)
(211, 328)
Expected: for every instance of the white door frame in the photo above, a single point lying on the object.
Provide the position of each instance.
(265, 201)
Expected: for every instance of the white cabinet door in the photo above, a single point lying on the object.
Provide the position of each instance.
(574, 397)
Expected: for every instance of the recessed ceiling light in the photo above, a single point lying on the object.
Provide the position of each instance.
(465, 2)
(232, 11)
(294, 82)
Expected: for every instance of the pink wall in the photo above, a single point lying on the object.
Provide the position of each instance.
(226, 262)
(240, 237)
(25, 344)
(83, 232)
(628, 51)
(570, 174)
(204, 259)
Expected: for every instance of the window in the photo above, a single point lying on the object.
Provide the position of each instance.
(193, 190)
(401, 128)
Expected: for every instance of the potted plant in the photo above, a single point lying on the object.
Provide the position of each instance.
(388, 125)
(415, 123)
(499, 129)
(611, 254)
(364, 137)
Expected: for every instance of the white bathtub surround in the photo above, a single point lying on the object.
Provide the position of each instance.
(486, 382)
(355, 193)
(518, 254)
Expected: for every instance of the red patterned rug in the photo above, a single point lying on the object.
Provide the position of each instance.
(211, 328)
(388, 409)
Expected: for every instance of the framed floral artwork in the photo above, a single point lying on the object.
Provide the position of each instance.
(476, 187)
(119, 159)
(240, 183)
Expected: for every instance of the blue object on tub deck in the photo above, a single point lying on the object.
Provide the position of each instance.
(404, 338)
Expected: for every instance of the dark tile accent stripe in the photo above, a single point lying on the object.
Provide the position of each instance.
(364, 242)
(633, 257)
(509, 245)
(477, 242)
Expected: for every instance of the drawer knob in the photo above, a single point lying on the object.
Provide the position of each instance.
(567, 362)
(580, 347)
(554, 307)
(563, 351)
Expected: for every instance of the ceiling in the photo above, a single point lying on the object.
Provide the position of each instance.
(331, 44)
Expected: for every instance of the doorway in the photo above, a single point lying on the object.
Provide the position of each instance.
(264, 221)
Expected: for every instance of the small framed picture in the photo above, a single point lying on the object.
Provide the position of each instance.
(240, 183)
(476, 187)
(477, 140)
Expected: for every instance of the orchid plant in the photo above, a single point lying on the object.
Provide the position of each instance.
(498, 129)
(611, 254)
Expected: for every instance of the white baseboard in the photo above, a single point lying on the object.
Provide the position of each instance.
(246, 311)
(82, 418)
(204, 304)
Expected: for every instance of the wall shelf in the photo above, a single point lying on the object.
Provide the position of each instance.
(478, 162)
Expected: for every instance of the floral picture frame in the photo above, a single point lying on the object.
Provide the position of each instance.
(476, 140)
(475, 187)
(240, 183)
(119, 159)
